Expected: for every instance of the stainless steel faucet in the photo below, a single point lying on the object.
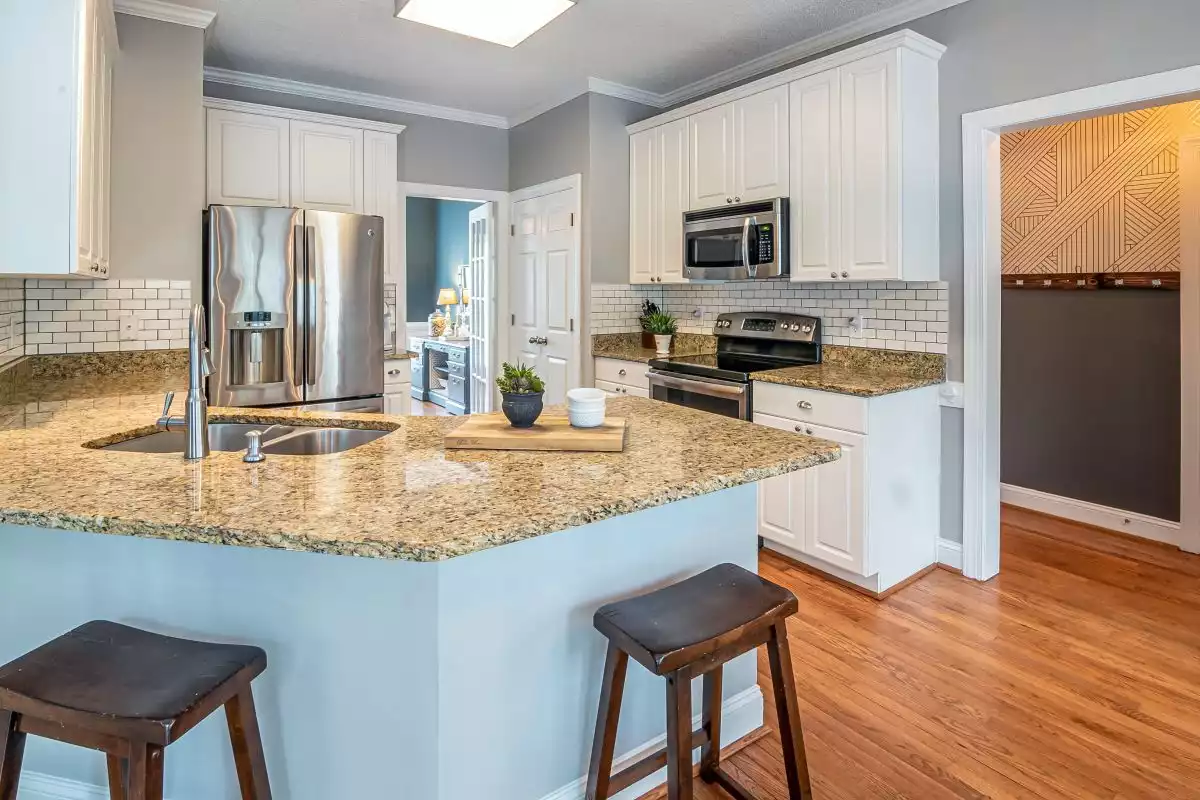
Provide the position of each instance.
(195, 413)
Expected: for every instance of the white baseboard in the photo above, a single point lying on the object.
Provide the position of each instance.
(39, 786)
(740, 715)
(1114, 519)
(950, 554)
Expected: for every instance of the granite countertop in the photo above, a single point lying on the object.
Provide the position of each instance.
(402, 496)
(628, 346)
(863, 372)
(399, 355)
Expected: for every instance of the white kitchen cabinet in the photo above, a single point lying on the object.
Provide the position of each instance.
(710, 145)
(761, 150)
(617, 390)
(620, 378)
(870, 518)
(327, 167)
(56, 63)
(397, 386)
(815, 163)
(658, 182)
(249, 162)
(381, 199)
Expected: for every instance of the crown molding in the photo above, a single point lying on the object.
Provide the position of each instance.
(238, 106)
(632, 93)
(363, 99)
(166, 12)
(867, 26)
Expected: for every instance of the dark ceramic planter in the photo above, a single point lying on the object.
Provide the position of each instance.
(522, 410)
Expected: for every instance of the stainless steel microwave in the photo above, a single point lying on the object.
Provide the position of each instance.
(737, 243)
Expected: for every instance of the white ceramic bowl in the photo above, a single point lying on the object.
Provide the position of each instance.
(586, 398)
(585, 418)
(585, 407)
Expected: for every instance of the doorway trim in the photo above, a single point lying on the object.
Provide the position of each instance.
(1189, 330)
(573, 183)
(981, 283)
(497, 334)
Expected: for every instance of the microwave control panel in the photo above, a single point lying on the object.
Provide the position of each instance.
(765, 243)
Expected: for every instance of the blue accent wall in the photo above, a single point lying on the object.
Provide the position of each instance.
(438, 245)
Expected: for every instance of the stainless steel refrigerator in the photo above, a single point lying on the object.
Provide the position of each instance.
(295, 308)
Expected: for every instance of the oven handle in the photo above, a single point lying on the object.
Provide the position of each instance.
(700, 385)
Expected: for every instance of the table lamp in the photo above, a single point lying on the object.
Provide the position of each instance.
(447, 298)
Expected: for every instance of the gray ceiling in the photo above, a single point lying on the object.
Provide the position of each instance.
(655, 45)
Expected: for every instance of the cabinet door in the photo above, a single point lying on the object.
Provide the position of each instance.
(710, 135)
(834, 531)
(671, 173)
(327, 167)
(247, 159)
(816, 169)
(783, 501)
(642, 151)
(870, 168)
(761, 146)
(381, 195)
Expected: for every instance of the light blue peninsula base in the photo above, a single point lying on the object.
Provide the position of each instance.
(466, 679)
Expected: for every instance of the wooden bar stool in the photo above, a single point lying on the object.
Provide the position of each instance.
(130, 693)
(681, 632)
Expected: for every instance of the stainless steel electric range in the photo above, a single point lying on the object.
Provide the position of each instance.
(746, 343)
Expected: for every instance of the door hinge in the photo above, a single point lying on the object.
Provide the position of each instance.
(512, 230)
(572, 325)
(572, 219)
(514, 320)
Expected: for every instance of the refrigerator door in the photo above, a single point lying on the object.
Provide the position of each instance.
(344, 313)
(252, 282)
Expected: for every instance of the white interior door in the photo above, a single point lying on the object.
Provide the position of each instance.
(482, 286)
(545, 290)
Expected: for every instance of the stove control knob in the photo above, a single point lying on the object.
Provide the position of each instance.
(795, 327)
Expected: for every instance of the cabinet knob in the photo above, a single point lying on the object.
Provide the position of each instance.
(833, 275)
(804, 404)
(845, 274)
(622, 372)
(728, 199)
(737, 199)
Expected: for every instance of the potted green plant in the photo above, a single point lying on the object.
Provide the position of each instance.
(663, 326)
(521, 390)
(648, 307)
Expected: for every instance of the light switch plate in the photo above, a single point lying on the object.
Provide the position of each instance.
(950, 394)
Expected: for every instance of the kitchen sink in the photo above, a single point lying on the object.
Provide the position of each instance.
(230, 437)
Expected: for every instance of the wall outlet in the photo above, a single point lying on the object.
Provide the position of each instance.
(131, 326)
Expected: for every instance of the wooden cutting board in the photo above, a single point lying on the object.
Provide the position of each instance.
(493, 432)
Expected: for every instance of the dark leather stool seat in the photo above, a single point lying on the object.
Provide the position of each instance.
(683, 631)
(130, 693)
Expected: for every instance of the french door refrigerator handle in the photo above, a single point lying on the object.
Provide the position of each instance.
(310, 291)
(298, 304)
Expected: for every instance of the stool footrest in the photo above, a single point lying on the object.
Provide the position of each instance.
(722, 779)
(651, 764)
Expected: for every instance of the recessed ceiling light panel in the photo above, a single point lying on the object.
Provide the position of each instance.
(506, 22)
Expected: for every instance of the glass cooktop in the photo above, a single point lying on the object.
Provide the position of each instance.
(725, 366)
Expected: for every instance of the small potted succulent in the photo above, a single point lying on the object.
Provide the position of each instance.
(648, 307)
(663, 326)
(522, 391)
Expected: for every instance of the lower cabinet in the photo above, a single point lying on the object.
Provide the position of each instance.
(870, 518)
(397, 387)
(618, 389)
(619, 378)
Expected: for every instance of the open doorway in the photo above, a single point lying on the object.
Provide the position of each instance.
(1090, 319)
(984, 250)
(450, 263)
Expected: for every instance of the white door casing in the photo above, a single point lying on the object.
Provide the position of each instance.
(1189, 319)
(482, 271)
(815, 108)
(327, 167)
(248, 161)
(761, 147)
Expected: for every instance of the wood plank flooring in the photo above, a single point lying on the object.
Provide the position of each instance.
(1074, 674)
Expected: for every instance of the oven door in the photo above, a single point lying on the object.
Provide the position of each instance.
(704, 394)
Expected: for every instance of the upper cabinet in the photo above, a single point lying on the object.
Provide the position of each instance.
(659, 181)
(56, 75)
(851, 139)
(327, 167)
(248, 159)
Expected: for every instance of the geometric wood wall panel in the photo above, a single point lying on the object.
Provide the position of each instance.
(1096, 195)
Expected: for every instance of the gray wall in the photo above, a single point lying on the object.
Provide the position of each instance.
(157, 151)
(550, 146)
(1089, 411)
(420, 233)
(432, 150)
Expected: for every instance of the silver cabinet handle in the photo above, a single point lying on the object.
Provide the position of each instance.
(622, 373)
(393, 372)
(804, 404)
(802, 429)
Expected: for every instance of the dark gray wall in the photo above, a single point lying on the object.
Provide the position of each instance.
(420, 234)
(1090, 397)
(431, 150)
(550, 146)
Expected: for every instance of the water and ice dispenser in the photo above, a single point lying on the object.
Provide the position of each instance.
(256, 345)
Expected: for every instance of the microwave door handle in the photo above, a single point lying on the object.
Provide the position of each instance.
(746, 246)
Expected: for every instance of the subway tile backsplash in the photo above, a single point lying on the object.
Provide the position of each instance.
(12, 319)
(85, 316)
(894, 315)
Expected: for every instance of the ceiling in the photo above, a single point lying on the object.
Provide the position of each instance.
(661, 47)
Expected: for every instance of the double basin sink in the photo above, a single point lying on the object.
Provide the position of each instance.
(283, 440)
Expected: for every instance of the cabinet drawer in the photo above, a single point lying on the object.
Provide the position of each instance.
(810, 406)
(628, 373)
(397, 371)
(617, 390)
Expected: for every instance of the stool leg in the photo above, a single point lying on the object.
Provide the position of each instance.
(794, 758)
(247, 746)
(710, 753)
(116, 778)
(605, 740)
(679, 735)
(12, 751)
(145, 771)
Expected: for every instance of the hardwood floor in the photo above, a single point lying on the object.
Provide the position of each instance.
(424, 409)
(1074, 674)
